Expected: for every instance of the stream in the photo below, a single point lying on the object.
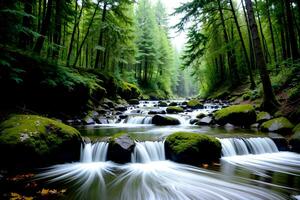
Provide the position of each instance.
(251, 167)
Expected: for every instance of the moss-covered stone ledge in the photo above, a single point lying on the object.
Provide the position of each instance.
(279, 125)
(174, 109)
(194, 104)
(33, 141)
(238, 115)
(192, 148)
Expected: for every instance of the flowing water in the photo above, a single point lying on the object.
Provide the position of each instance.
(251, 166)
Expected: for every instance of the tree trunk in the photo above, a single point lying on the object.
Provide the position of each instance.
(58, 24)
(100, 41)
(293, 40)
(44, 29)
(26, 39)
(252, 86)
(76, 24)
(269, 101)
(230, 56)
(272, 34)
(86, 34)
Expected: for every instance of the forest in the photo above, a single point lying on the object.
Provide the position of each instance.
(92, 89)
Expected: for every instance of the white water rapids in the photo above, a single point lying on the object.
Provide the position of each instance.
(149, 177)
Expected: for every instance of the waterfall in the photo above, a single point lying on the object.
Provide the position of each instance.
(245, 146)
(146, 152)
(139, 120)
(94, 152)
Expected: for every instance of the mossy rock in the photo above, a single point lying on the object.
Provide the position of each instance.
(133, 101)
(279, 125)
(31, 141)
(192, 148)
(295, 139)
(162, 104)
(239, 115)
(194, 104)
(174, 109)
(200, 116)
(120, 148)
(129, 91)
(262, 117)
(164, 120)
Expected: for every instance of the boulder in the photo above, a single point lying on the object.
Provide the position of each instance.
(133, 102)
(279, 125)
(162, 104)
(88, 120)
(108, 103)
(173, 104)
(194, 104)
(164, 120)
(239, 115)
(174, 109)
(205, 121)
(200, 115)
(121, 108)
(192, 148)
(120, 148)
(295, 139)
(262, 117)
(157, 111)
(194, 121)
(102, 120)
(28, 141)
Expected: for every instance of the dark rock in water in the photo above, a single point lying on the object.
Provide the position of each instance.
(119, 113)
(201, 115)
(205, 121)
(109, 103)
(295, 139)
(102, 120)
(192, 148)
(278, 125)
(121, 108)
(164, 120)
(123, 116)
(184, 103)
(174, 109)
(105, 106)
(135, 111)
(281, 142)
(120, 149)
(238, 115)
(194, 121)
(173, 104)
(157, 111)
(102, 111)
(30, 141)
(88, 121)
(162, 104)
(256, 125)
(133, 102)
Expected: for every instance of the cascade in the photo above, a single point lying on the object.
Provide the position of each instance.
(148, 151)
(245, 146)
(96, 152)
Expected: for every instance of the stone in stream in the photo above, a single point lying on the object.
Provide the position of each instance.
(174, 109)
(133, 102)
(205, 121)
(88, 120)
(157, 111)
(164, 120)
(194, 121)
(295, 139)
(120, 148)
(238, 115)
(173, 104)
(262, 117)
(192, 148)
(162, 104)
(200, 115)
(28, 141)
(194, 104)
(120, 108)
(278, 125)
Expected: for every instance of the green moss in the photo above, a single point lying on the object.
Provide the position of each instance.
(263, 116)
(280, 125)
(243, 115)
(129, 90)
(194, 103)
(174, 109)
(164, 120)
(193, 148)
(162, 104)
(246, 96)
(37, 138)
